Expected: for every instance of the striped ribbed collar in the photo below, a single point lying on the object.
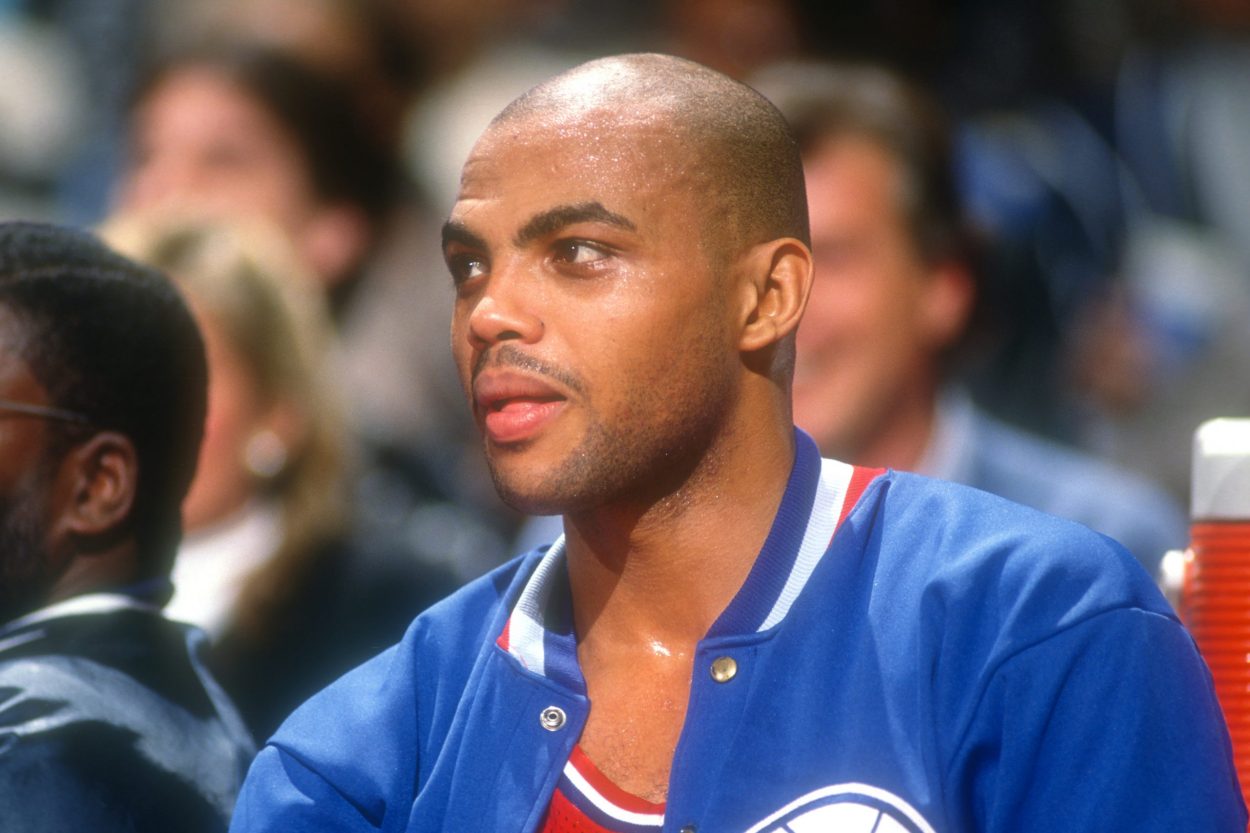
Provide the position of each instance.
(592, 795)
(818, 497)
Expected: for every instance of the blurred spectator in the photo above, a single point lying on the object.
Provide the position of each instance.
(893, 300)
(108, 719)
(40, 114)
(249, 131)
(242, 131)
(360, 41)
(1179, 123)
(1103, 147)
(292, 589)
(476, 58)
(736, 37)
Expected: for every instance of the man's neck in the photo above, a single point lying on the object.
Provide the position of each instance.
(647, 586)
(666, 571)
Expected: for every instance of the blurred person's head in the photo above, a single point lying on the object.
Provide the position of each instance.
(102, 399)
(448, 34)
(243, 131)
(274, 428)
(735, 37)
(893, 292)
(363, 42)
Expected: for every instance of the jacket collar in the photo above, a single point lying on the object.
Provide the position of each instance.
(818, 496)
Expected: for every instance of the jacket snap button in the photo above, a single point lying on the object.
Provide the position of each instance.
(552, 718)
(724, 669)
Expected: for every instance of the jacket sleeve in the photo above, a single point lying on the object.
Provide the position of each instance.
(344, 761)
(282, 793)
(1109, 724)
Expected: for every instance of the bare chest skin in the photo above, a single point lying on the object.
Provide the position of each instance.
(638, 706)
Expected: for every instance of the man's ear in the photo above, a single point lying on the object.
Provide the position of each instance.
(101, 476)
(946, 305)
(777, 281)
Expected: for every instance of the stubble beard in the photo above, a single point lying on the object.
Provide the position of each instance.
(24, 579)
(646, 455)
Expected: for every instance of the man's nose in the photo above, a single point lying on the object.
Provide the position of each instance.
(507, 309)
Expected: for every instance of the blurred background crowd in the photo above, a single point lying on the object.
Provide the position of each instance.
(289, 162)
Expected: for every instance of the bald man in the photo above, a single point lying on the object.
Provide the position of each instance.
(733, 634)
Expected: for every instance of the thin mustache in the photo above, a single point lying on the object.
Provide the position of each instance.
(511, 357)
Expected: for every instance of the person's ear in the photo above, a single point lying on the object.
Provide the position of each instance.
(946, 305)
(333, 241)
(774, 293)
(102, 475)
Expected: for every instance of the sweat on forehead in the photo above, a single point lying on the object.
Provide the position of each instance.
(727, 130)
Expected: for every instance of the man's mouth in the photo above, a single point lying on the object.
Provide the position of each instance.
(514, 406)
(517, 420)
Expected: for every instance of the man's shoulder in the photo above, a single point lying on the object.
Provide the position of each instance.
(967, 517)
(980, 555)
(128, 667)
(72, 667)
(366, 731)
(85, 746)
(113, 707)
(80, 707)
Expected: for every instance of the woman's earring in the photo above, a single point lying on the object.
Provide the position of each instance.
(265, 454)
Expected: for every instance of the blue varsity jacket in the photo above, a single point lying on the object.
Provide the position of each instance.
(908, 655)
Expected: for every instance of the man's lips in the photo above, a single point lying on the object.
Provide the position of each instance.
(515, 406)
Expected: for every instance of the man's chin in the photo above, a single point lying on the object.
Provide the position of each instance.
(529, 502)
(521, 491)
(530, 494)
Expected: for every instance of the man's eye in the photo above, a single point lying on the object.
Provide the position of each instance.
(465, 267)
(578, 251)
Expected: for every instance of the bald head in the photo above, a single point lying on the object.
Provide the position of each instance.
(721, 135)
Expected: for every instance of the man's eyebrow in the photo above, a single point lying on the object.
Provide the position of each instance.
(548, 222)
(456, 232)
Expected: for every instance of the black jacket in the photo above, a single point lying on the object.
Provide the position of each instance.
(110, 722)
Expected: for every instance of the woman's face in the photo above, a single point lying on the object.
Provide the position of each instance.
(200, 141)
(201, 145)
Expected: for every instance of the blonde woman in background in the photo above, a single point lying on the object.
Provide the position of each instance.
(273, 567)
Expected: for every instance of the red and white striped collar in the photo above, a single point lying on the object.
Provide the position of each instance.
(594, 798)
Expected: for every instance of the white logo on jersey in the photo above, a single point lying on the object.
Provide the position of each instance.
(845, 808)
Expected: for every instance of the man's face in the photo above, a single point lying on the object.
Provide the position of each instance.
(25, 478)
(592, 333)
(869, 336)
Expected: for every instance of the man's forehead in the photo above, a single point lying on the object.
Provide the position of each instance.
(585, 130)
(584, 159)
